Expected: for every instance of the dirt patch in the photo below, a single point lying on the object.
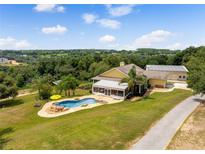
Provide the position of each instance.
(191, 136)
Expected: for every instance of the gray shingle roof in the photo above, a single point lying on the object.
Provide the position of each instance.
(169, 68)
(126, 69)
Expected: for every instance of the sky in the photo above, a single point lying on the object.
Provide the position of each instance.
(101, 26)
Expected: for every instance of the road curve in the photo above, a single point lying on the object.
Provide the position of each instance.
(159, 136)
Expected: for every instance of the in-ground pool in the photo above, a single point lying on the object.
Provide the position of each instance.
(76, 103)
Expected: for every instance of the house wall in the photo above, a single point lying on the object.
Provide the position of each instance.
(4, 60)
(119, 94)
(182, 76)
(157, 83)
(177, 75)
(114, 73)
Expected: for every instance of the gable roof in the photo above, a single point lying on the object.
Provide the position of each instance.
(169, 68)
(126, 69)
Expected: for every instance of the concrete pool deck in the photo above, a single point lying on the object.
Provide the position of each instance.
(44, 111)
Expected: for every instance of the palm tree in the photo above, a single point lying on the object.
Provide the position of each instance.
(74, 84)
(67, 84)
(133, 79)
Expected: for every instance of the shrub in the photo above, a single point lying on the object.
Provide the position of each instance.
(86, 86)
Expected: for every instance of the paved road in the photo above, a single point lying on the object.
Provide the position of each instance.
(159, 136)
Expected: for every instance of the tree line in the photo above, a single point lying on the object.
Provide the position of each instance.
(84, 64)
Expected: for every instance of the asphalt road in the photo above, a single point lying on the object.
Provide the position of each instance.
(159, 136)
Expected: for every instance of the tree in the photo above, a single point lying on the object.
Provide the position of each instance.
(177, 60)
(97, 68)
(45, 91)
(43, 87)
(134, 80)
(196, 75)
(67, 84)
(7, 86)
(74, 84)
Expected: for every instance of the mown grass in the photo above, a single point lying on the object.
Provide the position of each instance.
(105, 127)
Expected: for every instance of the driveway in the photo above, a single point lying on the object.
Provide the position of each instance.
(181, 85)
(159, 136)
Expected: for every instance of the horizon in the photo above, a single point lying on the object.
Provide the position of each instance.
(95, 49)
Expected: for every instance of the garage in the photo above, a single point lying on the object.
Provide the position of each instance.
(158, 83)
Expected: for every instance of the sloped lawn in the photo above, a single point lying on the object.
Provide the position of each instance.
(105, 127)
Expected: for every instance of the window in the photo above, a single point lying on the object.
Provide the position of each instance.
(95, 89)
(180, 76)
(114, 92)
(120, 93)
(184, 77)
(101, 90)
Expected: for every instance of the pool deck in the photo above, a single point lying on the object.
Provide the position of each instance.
(44, 111)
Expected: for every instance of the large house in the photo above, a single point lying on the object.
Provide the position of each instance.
(109, 82)
(3, 60)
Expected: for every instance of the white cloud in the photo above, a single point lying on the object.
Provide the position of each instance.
(89, 18)
(11, 43)
(58, 29)
(108, 23)
(175, 46)
(152, 38)
(60, 9)
(120, 10)
(107, 39)
(49, 8)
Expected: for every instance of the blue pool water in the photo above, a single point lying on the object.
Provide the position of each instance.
(76, 103)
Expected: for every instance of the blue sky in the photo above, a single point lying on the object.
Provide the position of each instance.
(101, 26)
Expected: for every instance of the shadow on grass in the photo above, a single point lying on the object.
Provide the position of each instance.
(4, 140)
(148, 97)
(10, 103)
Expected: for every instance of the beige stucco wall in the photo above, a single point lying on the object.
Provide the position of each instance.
(157, 83)
(176, 75)
(114, 73)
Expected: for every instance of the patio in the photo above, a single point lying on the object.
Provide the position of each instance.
(100, 100)
(114, 89)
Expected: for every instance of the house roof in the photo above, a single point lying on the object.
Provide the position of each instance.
(111, 84)
(169, 68)
(126, 69)
(105, 78)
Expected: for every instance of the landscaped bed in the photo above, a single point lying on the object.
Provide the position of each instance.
(113, 126)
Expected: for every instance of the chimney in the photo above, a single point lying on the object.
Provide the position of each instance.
(122, 63)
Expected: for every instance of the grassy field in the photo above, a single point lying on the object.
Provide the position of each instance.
(191, 136)
(105, 127)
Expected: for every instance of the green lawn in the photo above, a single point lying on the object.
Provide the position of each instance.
(105, 127)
